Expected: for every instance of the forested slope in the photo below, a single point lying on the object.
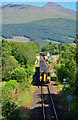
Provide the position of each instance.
(59, 30)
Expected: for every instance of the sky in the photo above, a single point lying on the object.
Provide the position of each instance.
(70, 5)
(38, 0)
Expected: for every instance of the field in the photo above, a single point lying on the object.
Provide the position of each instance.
(18, 39)
(46, 40)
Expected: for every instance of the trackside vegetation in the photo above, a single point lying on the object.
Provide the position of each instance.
(18, 60)
(67, 64)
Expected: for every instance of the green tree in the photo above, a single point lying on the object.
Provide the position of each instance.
(9, 66)
(76, 57)
(6, 50)
(19, 74)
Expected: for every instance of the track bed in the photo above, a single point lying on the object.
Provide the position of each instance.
(49, 112)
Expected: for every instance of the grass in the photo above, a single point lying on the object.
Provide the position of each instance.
(54, 42)
(68, 91)
(60, 86)
(18, 39)
(25, 97)
(24, 100)
(2, 84)
(51, 71)
(73, 104)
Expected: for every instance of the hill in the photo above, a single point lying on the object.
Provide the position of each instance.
(53, 29)
(51, 22)
(22, 13)
(51, 6)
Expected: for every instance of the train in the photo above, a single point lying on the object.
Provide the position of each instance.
(45, 75)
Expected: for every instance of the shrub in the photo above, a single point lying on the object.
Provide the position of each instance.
(19, 74)
(11, 84)
(9, 66)
(29, 71)
(10, 111)
(61, 69)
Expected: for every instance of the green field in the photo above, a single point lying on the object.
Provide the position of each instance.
(54, 42)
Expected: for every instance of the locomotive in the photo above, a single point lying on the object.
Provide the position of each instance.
(45, 76)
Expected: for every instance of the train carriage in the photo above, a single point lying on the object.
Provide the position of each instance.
(44, 72)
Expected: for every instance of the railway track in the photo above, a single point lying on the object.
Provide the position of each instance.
(49, 111)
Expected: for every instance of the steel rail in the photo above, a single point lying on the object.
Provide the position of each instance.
(52, 103)
(42, 103)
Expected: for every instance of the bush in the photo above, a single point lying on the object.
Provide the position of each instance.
(61, 69)
(9, 66)
(19, 74)
(10, 111)
(11, 84)
(29, 71)
(53, 78)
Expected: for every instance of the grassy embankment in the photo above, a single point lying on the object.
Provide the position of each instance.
(22, 96)
(68, 91)
(73, 104)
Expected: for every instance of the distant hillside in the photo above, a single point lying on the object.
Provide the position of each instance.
(22, 13)
(53, 29)
(52, 22)
(51, 6)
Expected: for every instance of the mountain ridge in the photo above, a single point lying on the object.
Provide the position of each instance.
(39, 24)
(22, 13)
(53, 3)
(49, 3)
(56, 7)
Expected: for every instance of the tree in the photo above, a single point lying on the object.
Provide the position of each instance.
(10, 64)
(19, 74)
(76, 57)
